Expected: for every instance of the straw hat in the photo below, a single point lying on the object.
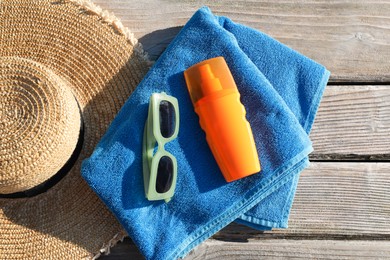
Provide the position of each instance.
(66, 68)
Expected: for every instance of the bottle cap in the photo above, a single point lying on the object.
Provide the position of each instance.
(208, 78)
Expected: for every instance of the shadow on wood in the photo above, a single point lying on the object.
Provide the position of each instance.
(156, 42)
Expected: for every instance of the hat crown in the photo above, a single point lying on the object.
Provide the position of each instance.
(39, 124)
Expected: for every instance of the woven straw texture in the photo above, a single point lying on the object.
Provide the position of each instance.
(41, 124)
(61, 63)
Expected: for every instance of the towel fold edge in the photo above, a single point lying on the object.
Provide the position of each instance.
(263, 224)
(316, 102)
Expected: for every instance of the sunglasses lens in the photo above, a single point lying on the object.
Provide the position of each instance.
(167, 119)
(164, 174)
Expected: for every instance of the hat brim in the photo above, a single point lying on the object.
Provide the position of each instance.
(103, 63)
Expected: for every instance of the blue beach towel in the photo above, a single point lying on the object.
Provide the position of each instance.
(281, 91)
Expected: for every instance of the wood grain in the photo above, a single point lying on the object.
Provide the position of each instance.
(271, 249)
(351, 38)
(292, 249)
(333, 201)
(353, 122)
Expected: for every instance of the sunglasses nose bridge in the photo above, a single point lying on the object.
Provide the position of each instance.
(161, 146)
(161, 149)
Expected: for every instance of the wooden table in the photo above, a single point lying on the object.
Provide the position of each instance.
(342, 206)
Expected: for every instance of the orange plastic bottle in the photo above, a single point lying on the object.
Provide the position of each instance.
(216, 100)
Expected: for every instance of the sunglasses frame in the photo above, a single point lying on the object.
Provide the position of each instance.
(152, 135)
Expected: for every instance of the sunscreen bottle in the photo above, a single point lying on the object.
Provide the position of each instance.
(216, 100)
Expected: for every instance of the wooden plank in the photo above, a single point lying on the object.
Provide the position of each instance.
(351, 38)
(270, 249)
(343, 198)
(353, 122)
(292, 249)
(333, 200)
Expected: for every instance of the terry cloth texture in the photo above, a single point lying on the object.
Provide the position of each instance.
(280, 90)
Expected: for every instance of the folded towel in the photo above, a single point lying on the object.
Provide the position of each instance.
(203, 202)
(300, 82)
